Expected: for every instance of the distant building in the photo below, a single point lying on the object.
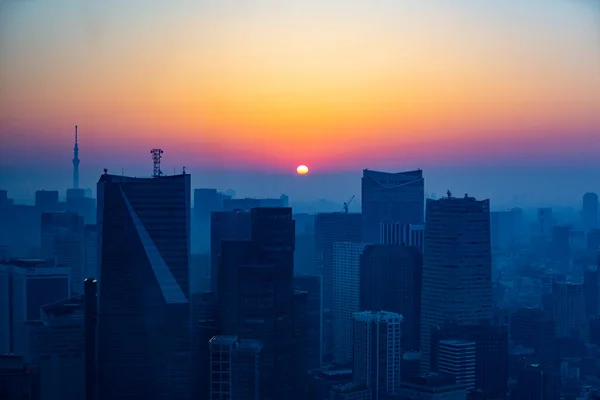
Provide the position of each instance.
(568, 309)
(457, 267)
(331, 228)
(536, 383)
(391, 198)
(346, 297)
(226, 225)
(25, 286)
(143, 329)
(591, 287)
(590, 211)
(47, 200)
(206, 201)
(78, 202)
(533, 328)
(63, 240)
(377, 352)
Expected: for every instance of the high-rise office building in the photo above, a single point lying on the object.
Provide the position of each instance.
(391, 198)
(235, 368)
(390, 280)
(536, 382)
(144, 312)
(457, 358)
(433, 386)
(59, 350)
(457, 267)
(63, 241)
(25, 286)
(331, 228)
(568, 309)
(314, 318)
(590, 211)
(256, 297)
(533, 328)
(377, 352)
(561, 248)
(346, 297)
(226, 225)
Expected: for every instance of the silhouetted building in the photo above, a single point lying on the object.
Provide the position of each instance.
(63, 241)
(491, 353)
(235, 368)
(591, 287)
(256, 297)
(59, 349)
(304, 256)
(206, 201)
(91, 251)
(331, 228)
(47, 200)
(593, 244)
(79, 203)
(457, 267)
(533, 328)
(561, 247)
(226, 225)
(346, 297)
(16, 381)
(144, 312)
(391, 198)
(314, 319)
(568, 309)
(536, 383)
(25, 286)
(377, 352)
(433, 386)
(90, 288)
(590, 211)
(390, 280)
(502, 230)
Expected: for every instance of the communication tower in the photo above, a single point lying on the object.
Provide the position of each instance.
(156, 157)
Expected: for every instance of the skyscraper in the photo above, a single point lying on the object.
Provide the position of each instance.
(391, 198)
(63, 241)
(143, 317)
(346, 297)
(256, 297)
(457, 267)
(390, 280)
(457, 358)
(377, 353)
(590, 211)
(568, 309)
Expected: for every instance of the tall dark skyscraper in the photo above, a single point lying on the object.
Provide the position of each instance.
(256, 297)
(144, 314)
(226, 225)
(457, 266)
(391, 198)
(390, 280)
(590, 211)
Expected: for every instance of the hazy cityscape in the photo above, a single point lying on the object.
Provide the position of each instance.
(300, 200)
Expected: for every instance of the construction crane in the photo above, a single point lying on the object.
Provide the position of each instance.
(346, 204)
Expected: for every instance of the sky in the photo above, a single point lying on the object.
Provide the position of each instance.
(241, 92)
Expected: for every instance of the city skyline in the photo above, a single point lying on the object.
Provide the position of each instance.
(260, 88)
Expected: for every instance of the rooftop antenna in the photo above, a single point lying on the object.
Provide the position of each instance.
(449, 193)
(184, 169)
(156, 157)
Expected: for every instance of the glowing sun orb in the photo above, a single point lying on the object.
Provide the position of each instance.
(302, 170)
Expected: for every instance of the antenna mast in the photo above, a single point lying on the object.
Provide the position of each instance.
(76, 162)
(156, 157)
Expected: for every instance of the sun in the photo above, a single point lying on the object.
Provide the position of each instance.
(302, 170)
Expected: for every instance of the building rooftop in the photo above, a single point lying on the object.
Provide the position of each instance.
(28, 262)
(250, 345)
(457, 342)
(223, 340)
(63, 307)
(377, 316)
